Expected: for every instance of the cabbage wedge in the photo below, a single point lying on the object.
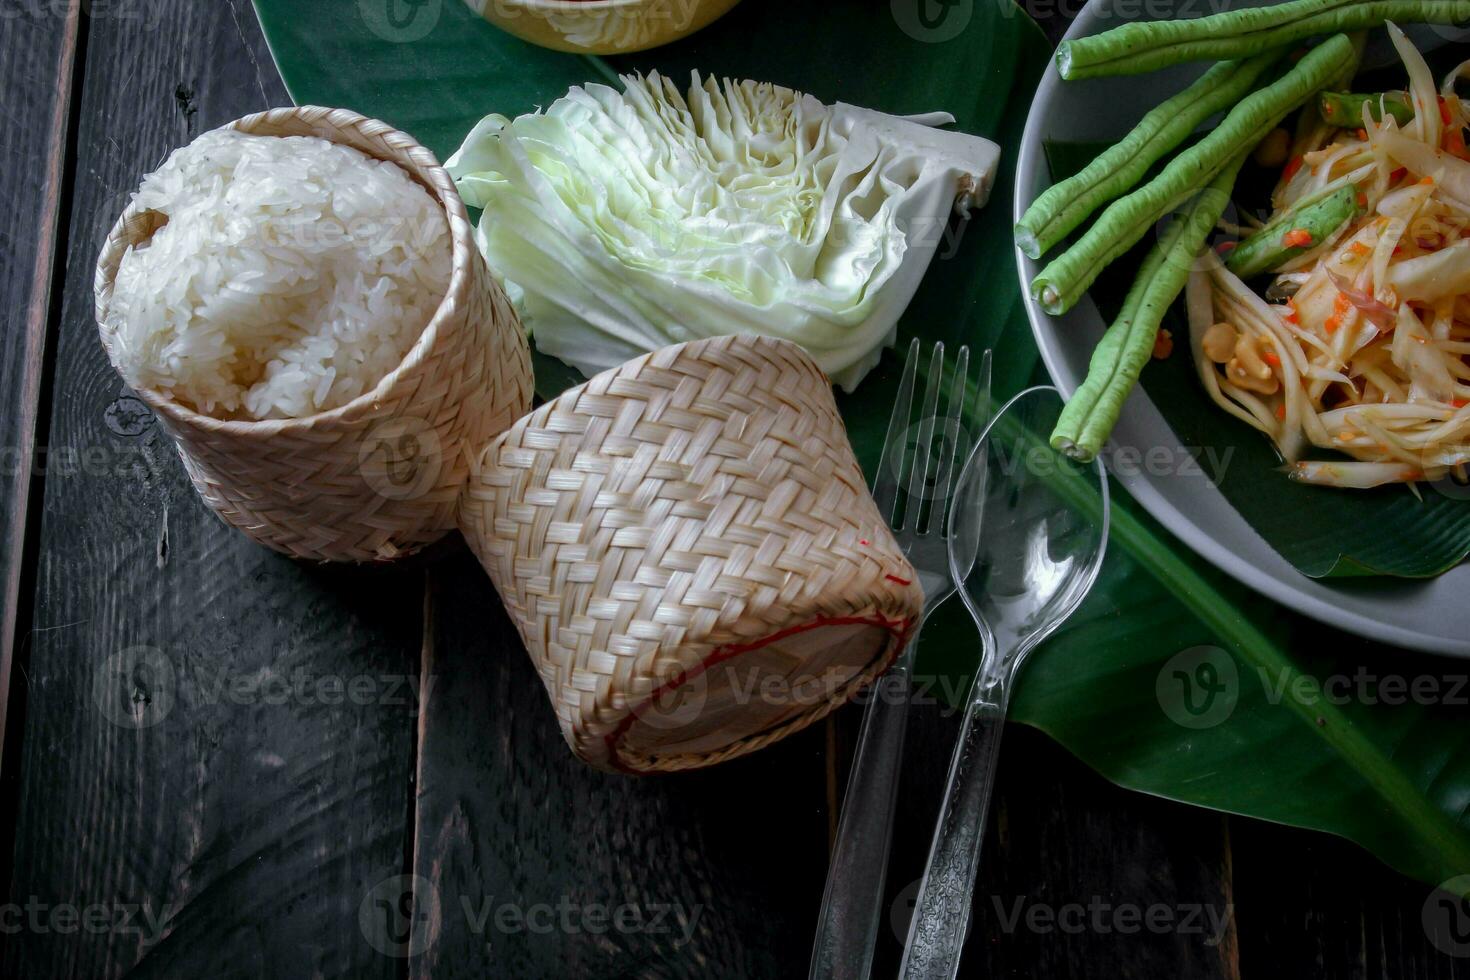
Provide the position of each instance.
(622, 222)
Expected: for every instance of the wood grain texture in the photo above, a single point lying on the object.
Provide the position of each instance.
(236, 781)
(1069, 860)
(1073, 867)
(715, 873)
(251, 820)
(37, 58)
(1313, 905)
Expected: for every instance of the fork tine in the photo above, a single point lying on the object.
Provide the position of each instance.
(919, 475)
(983, 408)
(885, 483)
(983, 413)
(939, 513)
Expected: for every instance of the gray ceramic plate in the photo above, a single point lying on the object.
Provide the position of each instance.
(1429, 615)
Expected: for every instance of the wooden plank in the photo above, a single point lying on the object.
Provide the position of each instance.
(218, 741)
(37, 53)
(267, 838)
(533, 857)
(1071, 870)
(1314, 905)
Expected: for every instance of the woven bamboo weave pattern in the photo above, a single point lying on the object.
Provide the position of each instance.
(692, 510)
(380, 476)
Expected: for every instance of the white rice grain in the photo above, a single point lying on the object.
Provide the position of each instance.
(292, 275)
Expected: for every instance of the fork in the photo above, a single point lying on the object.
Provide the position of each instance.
(852, 901)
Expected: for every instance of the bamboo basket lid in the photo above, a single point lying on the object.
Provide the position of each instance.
(380, 476)
(688, 548)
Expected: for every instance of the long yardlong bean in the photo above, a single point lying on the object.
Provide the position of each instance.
(1145, 46)
(1128, 219)
(1119, 357)
(1066, 205)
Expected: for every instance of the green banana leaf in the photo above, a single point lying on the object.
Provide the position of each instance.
(1323, 532)
(1136, 684)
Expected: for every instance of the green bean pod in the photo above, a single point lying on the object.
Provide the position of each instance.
(1065, 205)
(1126, 220)
(1144, 46)
(1267, 248)
(1345, 109)
(1345, 80)
(1118, 360)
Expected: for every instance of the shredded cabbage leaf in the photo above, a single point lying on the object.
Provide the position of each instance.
(622, 222)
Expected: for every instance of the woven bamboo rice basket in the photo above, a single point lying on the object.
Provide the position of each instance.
(689, 551)
(380, 476)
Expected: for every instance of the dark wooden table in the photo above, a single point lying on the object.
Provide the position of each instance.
(300, 747)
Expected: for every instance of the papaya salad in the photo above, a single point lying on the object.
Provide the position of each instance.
(1360, 343)
(1339, 321)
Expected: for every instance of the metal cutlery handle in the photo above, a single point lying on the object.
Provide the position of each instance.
(942, 909)
(853, 902)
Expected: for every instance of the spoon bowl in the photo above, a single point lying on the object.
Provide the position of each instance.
(1028, 530)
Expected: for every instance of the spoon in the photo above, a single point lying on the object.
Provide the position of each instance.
(1028, 530)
